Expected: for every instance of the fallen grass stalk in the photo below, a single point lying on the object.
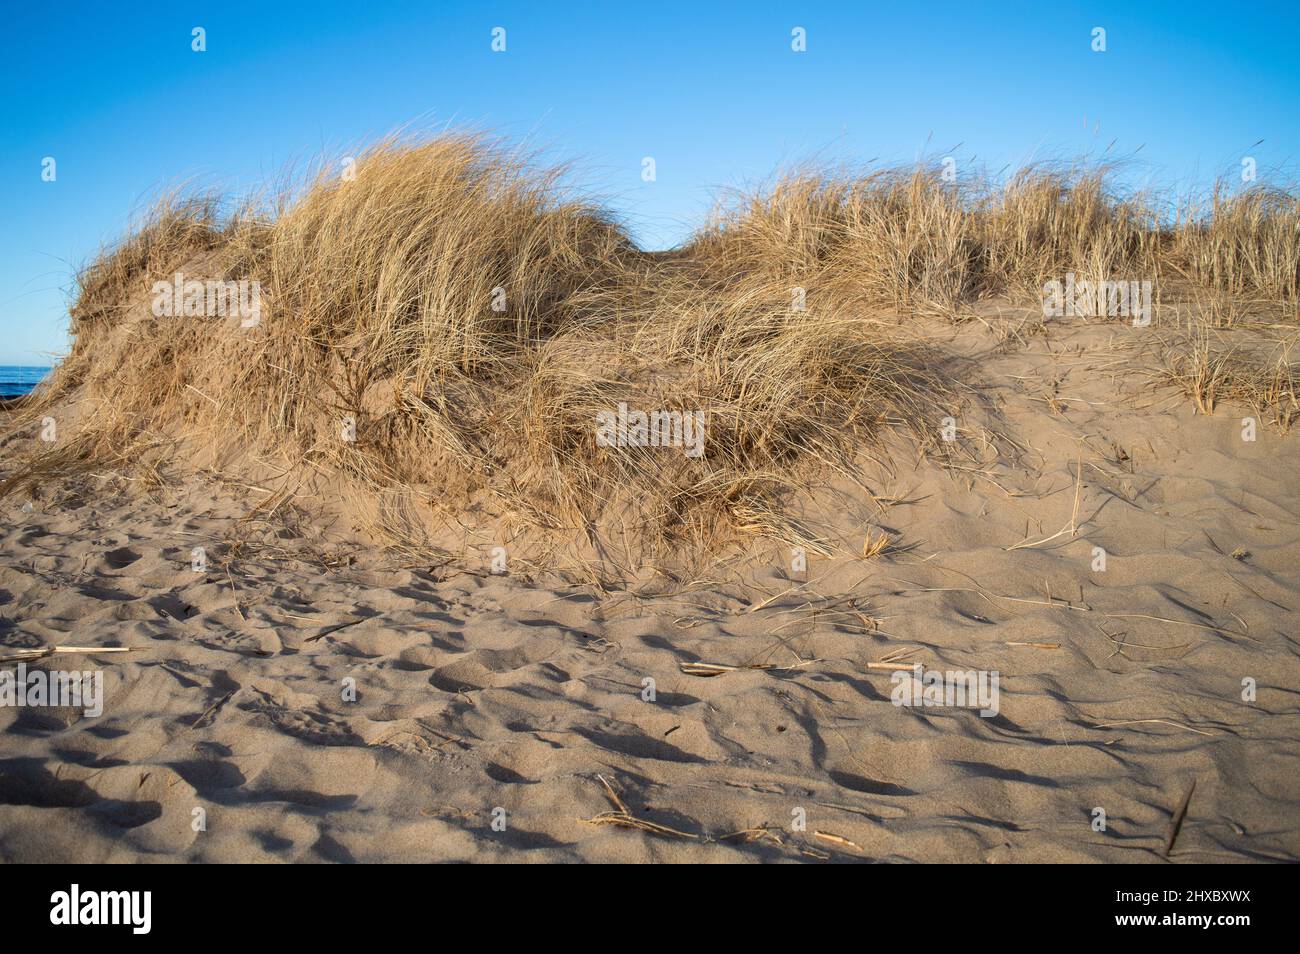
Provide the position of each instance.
(27, 655)
(1176, 725)
(623, 818)
(717, 669)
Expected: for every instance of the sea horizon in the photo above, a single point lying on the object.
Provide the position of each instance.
(17, 380)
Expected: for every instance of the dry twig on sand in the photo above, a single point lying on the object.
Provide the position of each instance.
(717, 669)
(625, 819)
(27, 655)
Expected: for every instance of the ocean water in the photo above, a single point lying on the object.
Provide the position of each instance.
(17, 380)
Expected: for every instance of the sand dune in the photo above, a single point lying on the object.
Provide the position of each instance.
(525, 691)
(893, 518)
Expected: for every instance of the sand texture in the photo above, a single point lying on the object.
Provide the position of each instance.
(475, 692)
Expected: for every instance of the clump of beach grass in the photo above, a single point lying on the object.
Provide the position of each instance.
(447, 325)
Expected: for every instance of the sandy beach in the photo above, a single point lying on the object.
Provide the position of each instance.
(308, 696)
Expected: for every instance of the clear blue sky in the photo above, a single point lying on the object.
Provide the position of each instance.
(713, 92)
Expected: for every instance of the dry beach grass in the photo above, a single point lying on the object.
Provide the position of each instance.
(472, 321)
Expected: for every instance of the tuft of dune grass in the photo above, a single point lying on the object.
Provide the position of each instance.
(908, 237)
(174, 229)
(1213, 356)
(378, 297)
(1245, 244)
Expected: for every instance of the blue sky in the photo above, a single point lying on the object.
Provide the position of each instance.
(114, 93)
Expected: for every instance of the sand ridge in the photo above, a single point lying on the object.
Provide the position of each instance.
(478, 692)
